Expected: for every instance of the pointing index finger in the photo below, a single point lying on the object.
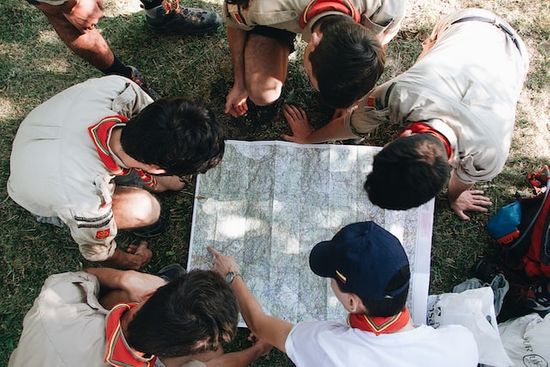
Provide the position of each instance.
(213, 251)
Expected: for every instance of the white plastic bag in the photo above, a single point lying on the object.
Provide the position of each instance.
(474, 310)
(527, 340)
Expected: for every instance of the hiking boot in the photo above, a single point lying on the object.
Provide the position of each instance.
(138, 78)
(262, 115)
(183, 21)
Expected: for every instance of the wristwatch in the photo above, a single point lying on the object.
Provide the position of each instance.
(230, 276)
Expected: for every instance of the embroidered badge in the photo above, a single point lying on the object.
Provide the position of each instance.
(102, 234)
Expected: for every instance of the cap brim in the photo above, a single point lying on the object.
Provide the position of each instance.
(321, 259)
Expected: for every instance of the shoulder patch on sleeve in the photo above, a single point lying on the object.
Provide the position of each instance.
(102, 234)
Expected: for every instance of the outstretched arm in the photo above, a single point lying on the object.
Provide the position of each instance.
(462, 199)
(125, 285)
(303, 133)
(267, 328)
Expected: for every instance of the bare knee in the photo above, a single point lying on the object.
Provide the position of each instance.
(146, 209)
(134, 208)
(264, 91)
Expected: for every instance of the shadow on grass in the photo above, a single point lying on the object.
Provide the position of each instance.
(34, 65)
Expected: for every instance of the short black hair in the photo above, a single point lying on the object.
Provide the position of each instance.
(391, 306)
(408, 172)
(347, 62)
(179, 136)
(194, 313)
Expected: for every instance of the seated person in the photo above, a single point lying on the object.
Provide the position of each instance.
(75, 21)
(343, 59)
(370, 276)
(141, 321)
(457, 105)
(69, 152)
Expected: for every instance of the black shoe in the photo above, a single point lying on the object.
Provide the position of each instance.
(138, 78)
(262, 115)
(183, 21)
(153, 230)
(171, 272)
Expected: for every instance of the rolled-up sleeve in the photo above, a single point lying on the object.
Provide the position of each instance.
(387, 19)
(480, 166)
(363, 119)
(94, 232)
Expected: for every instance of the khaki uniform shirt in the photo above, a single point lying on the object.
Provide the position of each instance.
(55, 168)
(382, 17)
(465, 84)
(66, 326)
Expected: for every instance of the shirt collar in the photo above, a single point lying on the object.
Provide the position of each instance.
(100, 133)
(448, 133)
(118, 353)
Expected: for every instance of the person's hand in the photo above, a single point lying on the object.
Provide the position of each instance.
(140, 286)
(140, 254)
(262, 348)
(470, 200)
(222, 264)
(83, 14)
(235, 102)
(299, 124)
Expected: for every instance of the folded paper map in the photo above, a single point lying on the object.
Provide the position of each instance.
(268, 203)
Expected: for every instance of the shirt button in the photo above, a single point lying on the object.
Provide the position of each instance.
(293, 14)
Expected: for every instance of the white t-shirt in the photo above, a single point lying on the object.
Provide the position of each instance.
(328, 343)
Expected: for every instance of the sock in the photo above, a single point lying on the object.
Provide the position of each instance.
(118, 68)
(149, 4)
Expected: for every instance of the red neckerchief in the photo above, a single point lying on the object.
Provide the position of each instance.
(118, 353)
(422, 128)
(380, 325)
(315, 7)
(100, 134)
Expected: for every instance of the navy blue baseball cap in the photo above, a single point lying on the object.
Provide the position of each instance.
(363, 258)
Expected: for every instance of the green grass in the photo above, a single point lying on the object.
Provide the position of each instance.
(34, 65)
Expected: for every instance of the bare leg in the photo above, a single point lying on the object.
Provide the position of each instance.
(266, 65)
(89, 44)
(134, 208)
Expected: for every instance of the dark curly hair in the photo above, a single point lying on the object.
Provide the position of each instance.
(347, 62)
(192, 314)
(408, 172)
(179, 136)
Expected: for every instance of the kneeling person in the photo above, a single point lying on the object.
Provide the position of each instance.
(183, 323)
(71, 151)
(457, 106)
(343, 59)
(370, 277)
